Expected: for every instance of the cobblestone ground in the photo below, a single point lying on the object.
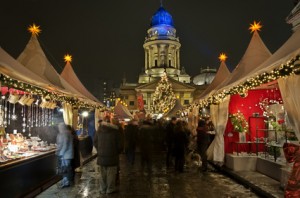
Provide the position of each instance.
(162, 183)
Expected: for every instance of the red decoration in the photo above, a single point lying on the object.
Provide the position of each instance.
(248, 106)
(140, 101)
(292, 154)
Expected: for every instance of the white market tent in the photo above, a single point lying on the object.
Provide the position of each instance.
(255, 54)
(34, 59)
(70, 76)
(175, 109)
(222, 74)
(289, 86)
(122, 111)
(15, 70)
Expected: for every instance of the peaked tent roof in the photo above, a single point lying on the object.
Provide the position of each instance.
(286, 52)
(69, 75)
(34, 58)
(176, 108)
(122, 112)
(14, 69)
(222, 74)
(256, 53)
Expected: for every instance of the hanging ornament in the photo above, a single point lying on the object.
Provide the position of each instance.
(14, 116)
(8, 121)
(24, 119)
(5, 112)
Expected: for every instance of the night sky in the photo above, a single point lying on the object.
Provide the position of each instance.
(106, 38)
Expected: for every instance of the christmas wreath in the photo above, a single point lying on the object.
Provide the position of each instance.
(239, 122)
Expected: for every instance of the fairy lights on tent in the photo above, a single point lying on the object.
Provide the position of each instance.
(44, 92)
(284, 70)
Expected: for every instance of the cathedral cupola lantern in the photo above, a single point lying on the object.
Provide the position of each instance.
(162, 47)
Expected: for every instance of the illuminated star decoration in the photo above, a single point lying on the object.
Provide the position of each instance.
(222, 57)
(34, 29)
(68, 58)
(255, 26)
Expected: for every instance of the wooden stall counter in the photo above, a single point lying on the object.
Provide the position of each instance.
(28, 176)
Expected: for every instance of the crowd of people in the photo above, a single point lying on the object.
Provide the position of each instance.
(147, 136)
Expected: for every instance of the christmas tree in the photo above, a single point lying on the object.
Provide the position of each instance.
(164, 98)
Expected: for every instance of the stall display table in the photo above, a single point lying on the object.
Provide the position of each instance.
(28, 176)
(249, 145)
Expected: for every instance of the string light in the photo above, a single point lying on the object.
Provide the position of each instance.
(53, 96)
(291, 67)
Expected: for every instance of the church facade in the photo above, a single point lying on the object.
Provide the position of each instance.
(162, 54)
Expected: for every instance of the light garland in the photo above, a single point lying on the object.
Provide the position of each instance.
(292, 67)
(33, 90)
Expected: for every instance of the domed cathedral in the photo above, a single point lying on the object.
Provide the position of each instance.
(162, 55)
(162, 50)
(205, 77)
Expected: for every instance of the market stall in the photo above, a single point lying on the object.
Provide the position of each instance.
(31, 100)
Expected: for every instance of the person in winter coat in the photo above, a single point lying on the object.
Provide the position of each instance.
(180, 144)
(107, 144)
(170, 140)
(65, 153)
(76, 160)
(202, 143)
(131, 132)
(145, 144)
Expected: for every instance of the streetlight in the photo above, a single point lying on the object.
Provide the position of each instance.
(84, 115)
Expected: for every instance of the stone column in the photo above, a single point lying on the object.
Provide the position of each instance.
(146, 59)
(167, 56)
(158, 55)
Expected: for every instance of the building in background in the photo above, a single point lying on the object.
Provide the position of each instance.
(162, 54)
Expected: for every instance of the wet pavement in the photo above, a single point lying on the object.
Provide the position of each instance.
(161, 183)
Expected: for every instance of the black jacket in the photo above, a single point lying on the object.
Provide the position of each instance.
(107, 142)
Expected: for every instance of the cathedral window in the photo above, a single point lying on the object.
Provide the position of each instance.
(186, 102)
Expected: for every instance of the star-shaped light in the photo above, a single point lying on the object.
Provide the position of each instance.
(68, 58)
(255, 26)
(34, 29)
(222, 57)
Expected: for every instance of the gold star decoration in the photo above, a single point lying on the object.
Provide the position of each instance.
(34, 29)
(68, 58)
(222, 57)
(255, 26)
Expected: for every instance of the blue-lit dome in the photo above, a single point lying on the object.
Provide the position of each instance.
(161, 17)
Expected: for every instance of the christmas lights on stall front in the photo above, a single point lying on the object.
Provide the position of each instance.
(42, 92)
(291, 67)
